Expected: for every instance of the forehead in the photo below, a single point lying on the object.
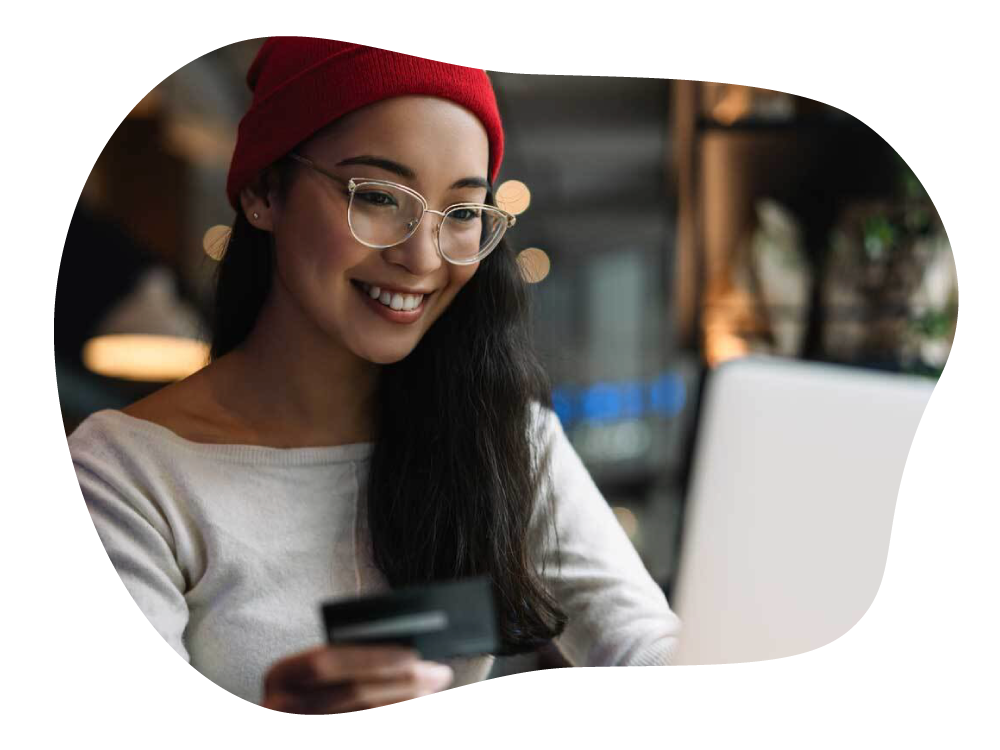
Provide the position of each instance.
(433, 136)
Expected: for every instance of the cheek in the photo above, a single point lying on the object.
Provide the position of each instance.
(313, 228)
(320, 248)
(312, 274)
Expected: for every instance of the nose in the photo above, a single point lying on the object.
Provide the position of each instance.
(419, 253)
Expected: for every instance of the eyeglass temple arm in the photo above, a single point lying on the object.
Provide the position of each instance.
(511, 219)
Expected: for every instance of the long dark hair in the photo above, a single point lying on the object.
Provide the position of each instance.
(455, 481)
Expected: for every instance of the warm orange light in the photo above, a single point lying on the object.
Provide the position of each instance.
(215, 240)
(726, 310)
(154, 359)
(722, 345)
(149, 105)
(735, 105)
(513, 196)
(535, 264)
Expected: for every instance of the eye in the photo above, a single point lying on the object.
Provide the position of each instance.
(378, 198)
(465, 214)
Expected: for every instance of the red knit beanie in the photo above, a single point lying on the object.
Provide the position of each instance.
(300, 85)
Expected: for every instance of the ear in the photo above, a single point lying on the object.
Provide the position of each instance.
(258, 203)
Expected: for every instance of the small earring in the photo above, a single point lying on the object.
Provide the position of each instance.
(256, 215)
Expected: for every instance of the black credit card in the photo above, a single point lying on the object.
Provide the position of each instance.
(440, 620)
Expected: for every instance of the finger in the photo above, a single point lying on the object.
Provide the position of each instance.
(415, 681)
(326, 664)
(419, 678)
(294, 704)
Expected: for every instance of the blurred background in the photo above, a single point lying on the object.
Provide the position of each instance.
(668, 226)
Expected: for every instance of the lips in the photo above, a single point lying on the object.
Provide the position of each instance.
(397, 316)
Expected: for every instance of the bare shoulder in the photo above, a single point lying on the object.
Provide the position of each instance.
(165, 405)
(188, 408)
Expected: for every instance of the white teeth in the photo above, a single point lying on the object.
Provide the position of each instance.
(395, 300)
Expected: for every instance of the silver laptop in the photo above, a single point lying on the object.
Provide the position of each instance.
(786, 531)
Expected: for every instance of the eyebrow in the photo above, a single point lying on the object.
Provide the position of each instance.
(403, 171)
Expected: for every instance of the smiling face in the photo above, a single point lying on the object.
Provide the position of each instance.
(431, 145)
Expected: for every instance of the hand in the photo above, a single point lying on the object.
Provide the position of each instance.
(335, 679)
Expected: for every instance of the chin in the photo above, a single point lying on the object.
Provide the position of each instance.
(386, 356)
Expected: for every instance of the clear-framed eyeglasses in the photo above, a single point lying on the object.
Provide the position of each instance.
(383, 214)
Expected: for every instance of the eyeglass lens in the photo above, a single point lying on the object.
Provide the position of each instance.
(382, 215)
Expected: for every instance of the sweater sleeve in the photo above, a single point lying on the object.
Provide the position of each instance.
(138, 539)
(617, 614)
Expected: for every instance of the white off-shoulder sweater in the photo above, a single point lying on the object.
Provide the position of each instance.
(230, 549)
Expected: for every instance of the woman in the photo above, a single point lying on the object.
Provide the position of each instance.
(372, 417)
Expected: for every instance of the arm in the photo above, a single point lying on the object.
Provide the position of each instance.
(138, 540)
(618, 616)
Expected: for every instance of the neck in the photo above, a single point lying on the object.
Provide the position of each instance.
(295, 385)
